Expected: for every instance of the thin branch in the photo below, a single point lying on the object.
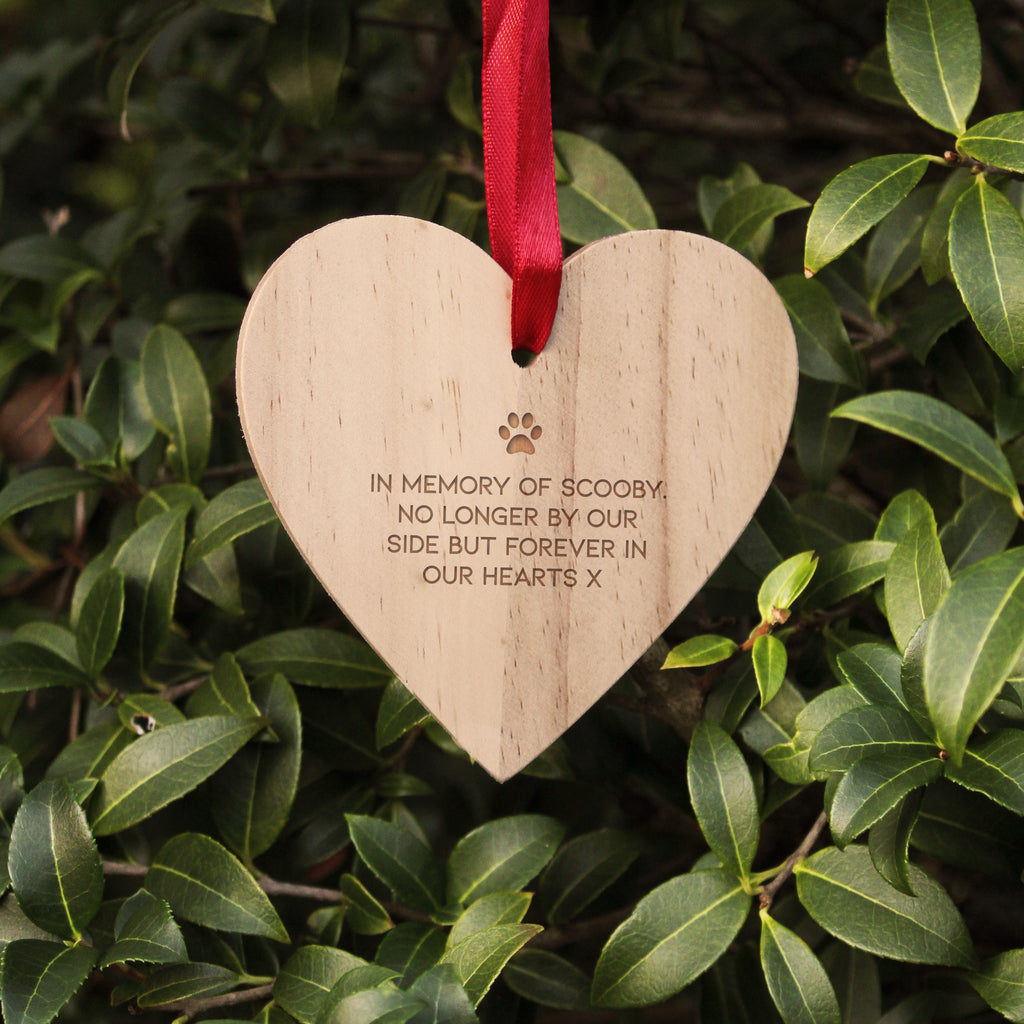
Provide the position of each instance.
(954, 159)
(188, 1008)
(768, 891)
(322, 894)
(124, 868)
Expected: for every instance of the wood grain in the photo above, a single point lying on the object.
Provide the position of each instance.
(375, 353)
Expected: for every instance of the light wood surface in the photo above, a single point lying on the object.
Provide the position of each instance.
(380, 402)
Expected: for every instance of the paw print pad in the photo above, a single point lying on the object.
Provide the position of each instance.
(528, 432)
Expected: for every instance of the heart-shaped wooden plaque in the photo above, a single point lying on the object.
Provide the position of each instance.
(511, 540)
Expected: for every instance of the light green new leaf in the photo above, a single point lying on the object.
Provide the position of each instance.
(150, 560)
(986, 253)
(935, 55)
(582, 869)
(164, 765)
(53, 861)
(699, 651)
(316, 657)
(487, 912)
(252, 794)
(41, 486)
(601, 197)
(785, 583)
(994, 766)
(99, 622)
(179, 399)
(205, 884)
(236, 511)
(798, 984)
(547, 979)
(308, 976)
(1000, 982)
(855, 201)
(997, 140)
(400, 859)
(823, 346)
(868, 731)
(848, 569)
(363, 913)
(479, 959)
(874, 786)
(26, 666)
(723, 798)
(939, 428)
(747, 211)
(306, 53)
(399, 712)
(903, 512)
(844, 893)
(186, 981)
(769, 657)
(38, 977)
(889, 841)
(146, 932)
(974, 641)
(916, 580)
(676, 932)
(501, 856)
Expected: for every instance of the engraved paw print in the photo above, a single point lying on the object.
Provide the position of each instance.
(520, 442)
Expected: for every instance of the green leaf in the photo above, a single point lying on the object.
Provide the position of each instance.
(873, 670)
(986, 253)
(894, 252)
(42, 486)
(700, 650)
(747, 211)
(316, 657)
(676, 932)
(799, 986)
(116, 407)
(983, 526)
(53, 862)
(821, 442)
(874, 786)
(185, 981)
(363, 912)
(411, 948)
(146, 932)
(547, 979)
(262, 9)
(37, 978)
(939, 303)
(25, 666)
(975, 639)
(844, 893)
(224, 692)
(399, 713)
(582, 869)
(785, 583)
(889, 841)
(205, 884)
(502, 855)
(400, 860)
(994, 766)
(935, 55)
(99, 622)
(848, 569)
(939, 428)
(870, 730)
(823, 346)
(873, 78)
(308, 976)
(1000, 982)
(904, 511)
(601, 197)
(855, 201)
(47, 258)
(234, 512)
(149, 560)
(769, 657)
(82, 442)
(384, 1005)
(166, 764)
(916, 580)
(88, 755)
(447, 1001)
(997, 140)
(479, 959)
(305, 59)
(487, 912)
(723, 798)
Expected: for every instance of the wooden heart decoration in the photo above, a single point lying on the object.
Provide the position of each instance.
(510, 540)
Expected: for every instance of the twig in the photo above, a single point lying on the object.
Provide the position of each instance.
(954, 159)
(273, 887)
(188, 1008)
(768, 891)
(173, 693)
(124, 868)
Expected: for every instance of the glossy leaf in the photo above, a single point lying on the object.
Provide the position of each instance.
(935, 55)
(868, 731)
(185, 981)
(723, 798)
(363, 912)
(941, 429)
(894, 252)
(224, 692)
(844, 893)
(316, 657)
(446, 1000)
(823, 346)
(699, 651)
(873, 670)
(1000, 982)
(88, 755)
(400, 860)
(997, 140)
(785, 583)
(163, 766)
(904, 511)
(975, 639)
(502, 855)
(385, 1005)
(41, 486)
(487, 912)
(306, 978)
(848, 569)
(675, 933)
(234, 512)
(146, 932)
(399, 712)
(889, 841)
(39, 977)
(994, 766)
(799, 986)
(986, 252)
(26, 666)
(480, 957)
(116, 406)
(916, 580)
(99, 622)
(545, 978)
(53, 861)
(769, 657)
(855, 201)
(747, 211)
(982, 526)
(582, 869)
(600, 197)
(411, 948)
(205, 884)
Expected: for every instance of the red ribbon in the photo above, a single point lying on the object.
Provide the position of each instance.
(519, 166)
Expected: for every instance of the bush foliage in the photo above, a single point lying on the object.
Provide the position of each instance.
(215, 801)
